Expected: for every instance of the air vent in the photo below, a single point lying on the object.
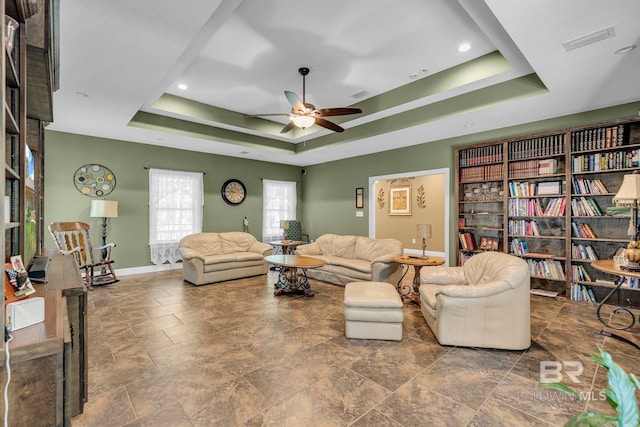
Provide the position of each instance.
(589, 39)
(360, 94)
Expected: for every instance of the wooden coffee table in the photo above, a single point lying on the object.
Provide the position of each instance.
(412, 293)
(292, 277)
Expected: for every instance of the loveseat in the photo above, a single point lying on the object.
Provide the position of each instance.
(216, 257)
(484, 303)
(354, 258)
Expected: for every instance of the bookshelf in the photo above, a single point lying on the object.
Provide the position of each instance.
(548, 199)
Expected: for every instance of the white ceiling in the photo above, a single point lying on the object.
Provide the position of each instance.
(118, 58)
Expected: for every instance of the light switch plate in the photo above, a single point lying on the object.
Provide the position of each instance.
(359, 213)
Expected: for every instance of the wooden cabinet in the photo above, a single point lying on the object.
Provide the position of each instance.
(49, 359)
(547, 198)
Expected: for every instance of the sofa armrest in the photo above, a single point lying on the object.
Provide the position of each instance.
(261, 248)
(309, 249)
(478, 291)
(442, 276)
(384, 259)
(188, 253)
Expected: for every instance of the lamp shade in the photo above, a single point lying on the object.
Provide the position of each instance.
(423, 231)
(629, 190)
(104, 209)
(284, 224)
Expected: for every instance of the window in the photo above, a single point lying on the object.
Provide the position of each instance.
(175, 210)
(279, 200)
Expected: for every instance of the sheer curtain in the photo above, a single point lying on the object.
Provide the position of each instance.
(279, 200)
(176, 201)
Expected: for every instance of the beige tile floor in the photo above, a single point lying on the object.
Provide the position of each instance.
(165, 353)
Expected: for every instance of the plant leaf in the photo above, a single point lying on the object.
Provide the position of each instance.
(590, 419)
(561, 387)
(622, 392)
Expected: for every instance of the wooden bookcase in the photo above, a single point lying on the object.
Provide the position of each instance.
(547, 198)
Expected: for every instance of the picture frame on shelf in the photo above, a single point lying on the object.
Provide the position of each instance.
(400, 200)
(549, 188)
(489, 243)
(359, 198)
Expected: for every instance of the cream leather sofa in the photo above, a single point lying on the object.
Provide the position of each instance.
(484, 303)
(354, 258)
(216, 257)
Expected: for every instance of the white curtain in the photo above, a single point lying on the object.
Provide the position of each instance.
(279, 200)
(176, 201)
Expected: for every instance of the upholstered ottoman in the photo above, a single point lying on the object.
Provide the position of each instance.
(372, 311)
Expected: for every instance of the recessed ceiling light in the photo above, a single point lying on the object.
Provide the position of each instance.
(182, 86)
(464, 47)
(468, 125)
(413, 75)
(243, 152)
(82, 94)
(625, 49)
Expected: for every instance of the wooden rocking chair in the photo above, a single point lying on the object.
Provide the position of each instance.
(72, 238)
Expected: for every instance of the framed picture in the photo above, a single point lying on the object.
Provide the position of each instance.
(400, 200)
(359, 198)
(489, 243)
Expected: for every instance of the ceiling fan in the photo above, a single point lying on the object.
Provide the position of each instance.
(304, 115)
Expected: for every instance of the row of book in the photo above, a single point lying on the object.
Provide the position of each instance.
(518, 247)
(583, 252)
(467, 241)
(588, 186)
(605, 161)
(585, 206)
(529, 168)
(594, 139)
(579, 273)
(533, 207)
(535, 147)
(582, 293)
(481, 155)
(583, 230)
(546, 268)
(482, 173)
(523, 227)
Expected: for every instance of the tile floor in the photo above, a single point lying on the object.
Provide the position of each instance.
(165, 353)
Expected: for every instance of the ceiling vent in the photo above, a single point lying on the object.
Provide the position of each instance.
(589, 39)
(360, 94)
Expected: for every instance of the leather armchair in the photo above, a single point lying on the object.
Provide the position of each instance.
(484, 303)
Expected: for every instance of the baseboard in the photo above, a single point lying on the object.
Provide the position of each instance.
(148, 269)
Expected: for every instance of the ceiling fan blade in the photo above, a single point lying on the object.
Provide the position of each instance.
(288, 127)
(294, 101)
(337, 111)
(329, 125)
(266, 114)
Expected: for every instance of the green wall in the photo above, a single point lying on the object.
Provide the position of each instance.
(65, 153)
(326, 197)
(329, 188)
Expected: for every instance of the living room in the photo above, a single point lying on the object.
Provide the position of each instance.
(152, 128)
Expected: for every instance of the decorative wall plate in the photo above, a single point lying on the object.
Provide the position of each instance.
(233, 192)
(94, 180)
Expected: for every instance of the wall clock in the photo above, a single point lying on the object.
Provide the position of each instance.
(94, 180)
(233, 192)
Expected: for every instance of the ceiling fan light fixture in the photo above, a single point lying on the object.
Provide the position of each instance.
(303, 121)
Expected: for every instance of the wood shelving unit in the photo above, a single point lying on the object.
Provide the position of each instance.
(532, 182)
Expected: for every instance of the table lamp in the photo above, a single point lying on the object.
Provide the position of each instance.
(104, 209)
(423, 232)
(284, 224)
(628, 195)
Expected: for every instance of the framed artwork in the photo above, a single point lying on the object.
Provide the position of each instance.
(489, 243)
(359, 198)
(400, 200)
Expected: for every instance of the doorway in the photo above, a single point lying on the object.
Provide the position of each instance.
(398, 203)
